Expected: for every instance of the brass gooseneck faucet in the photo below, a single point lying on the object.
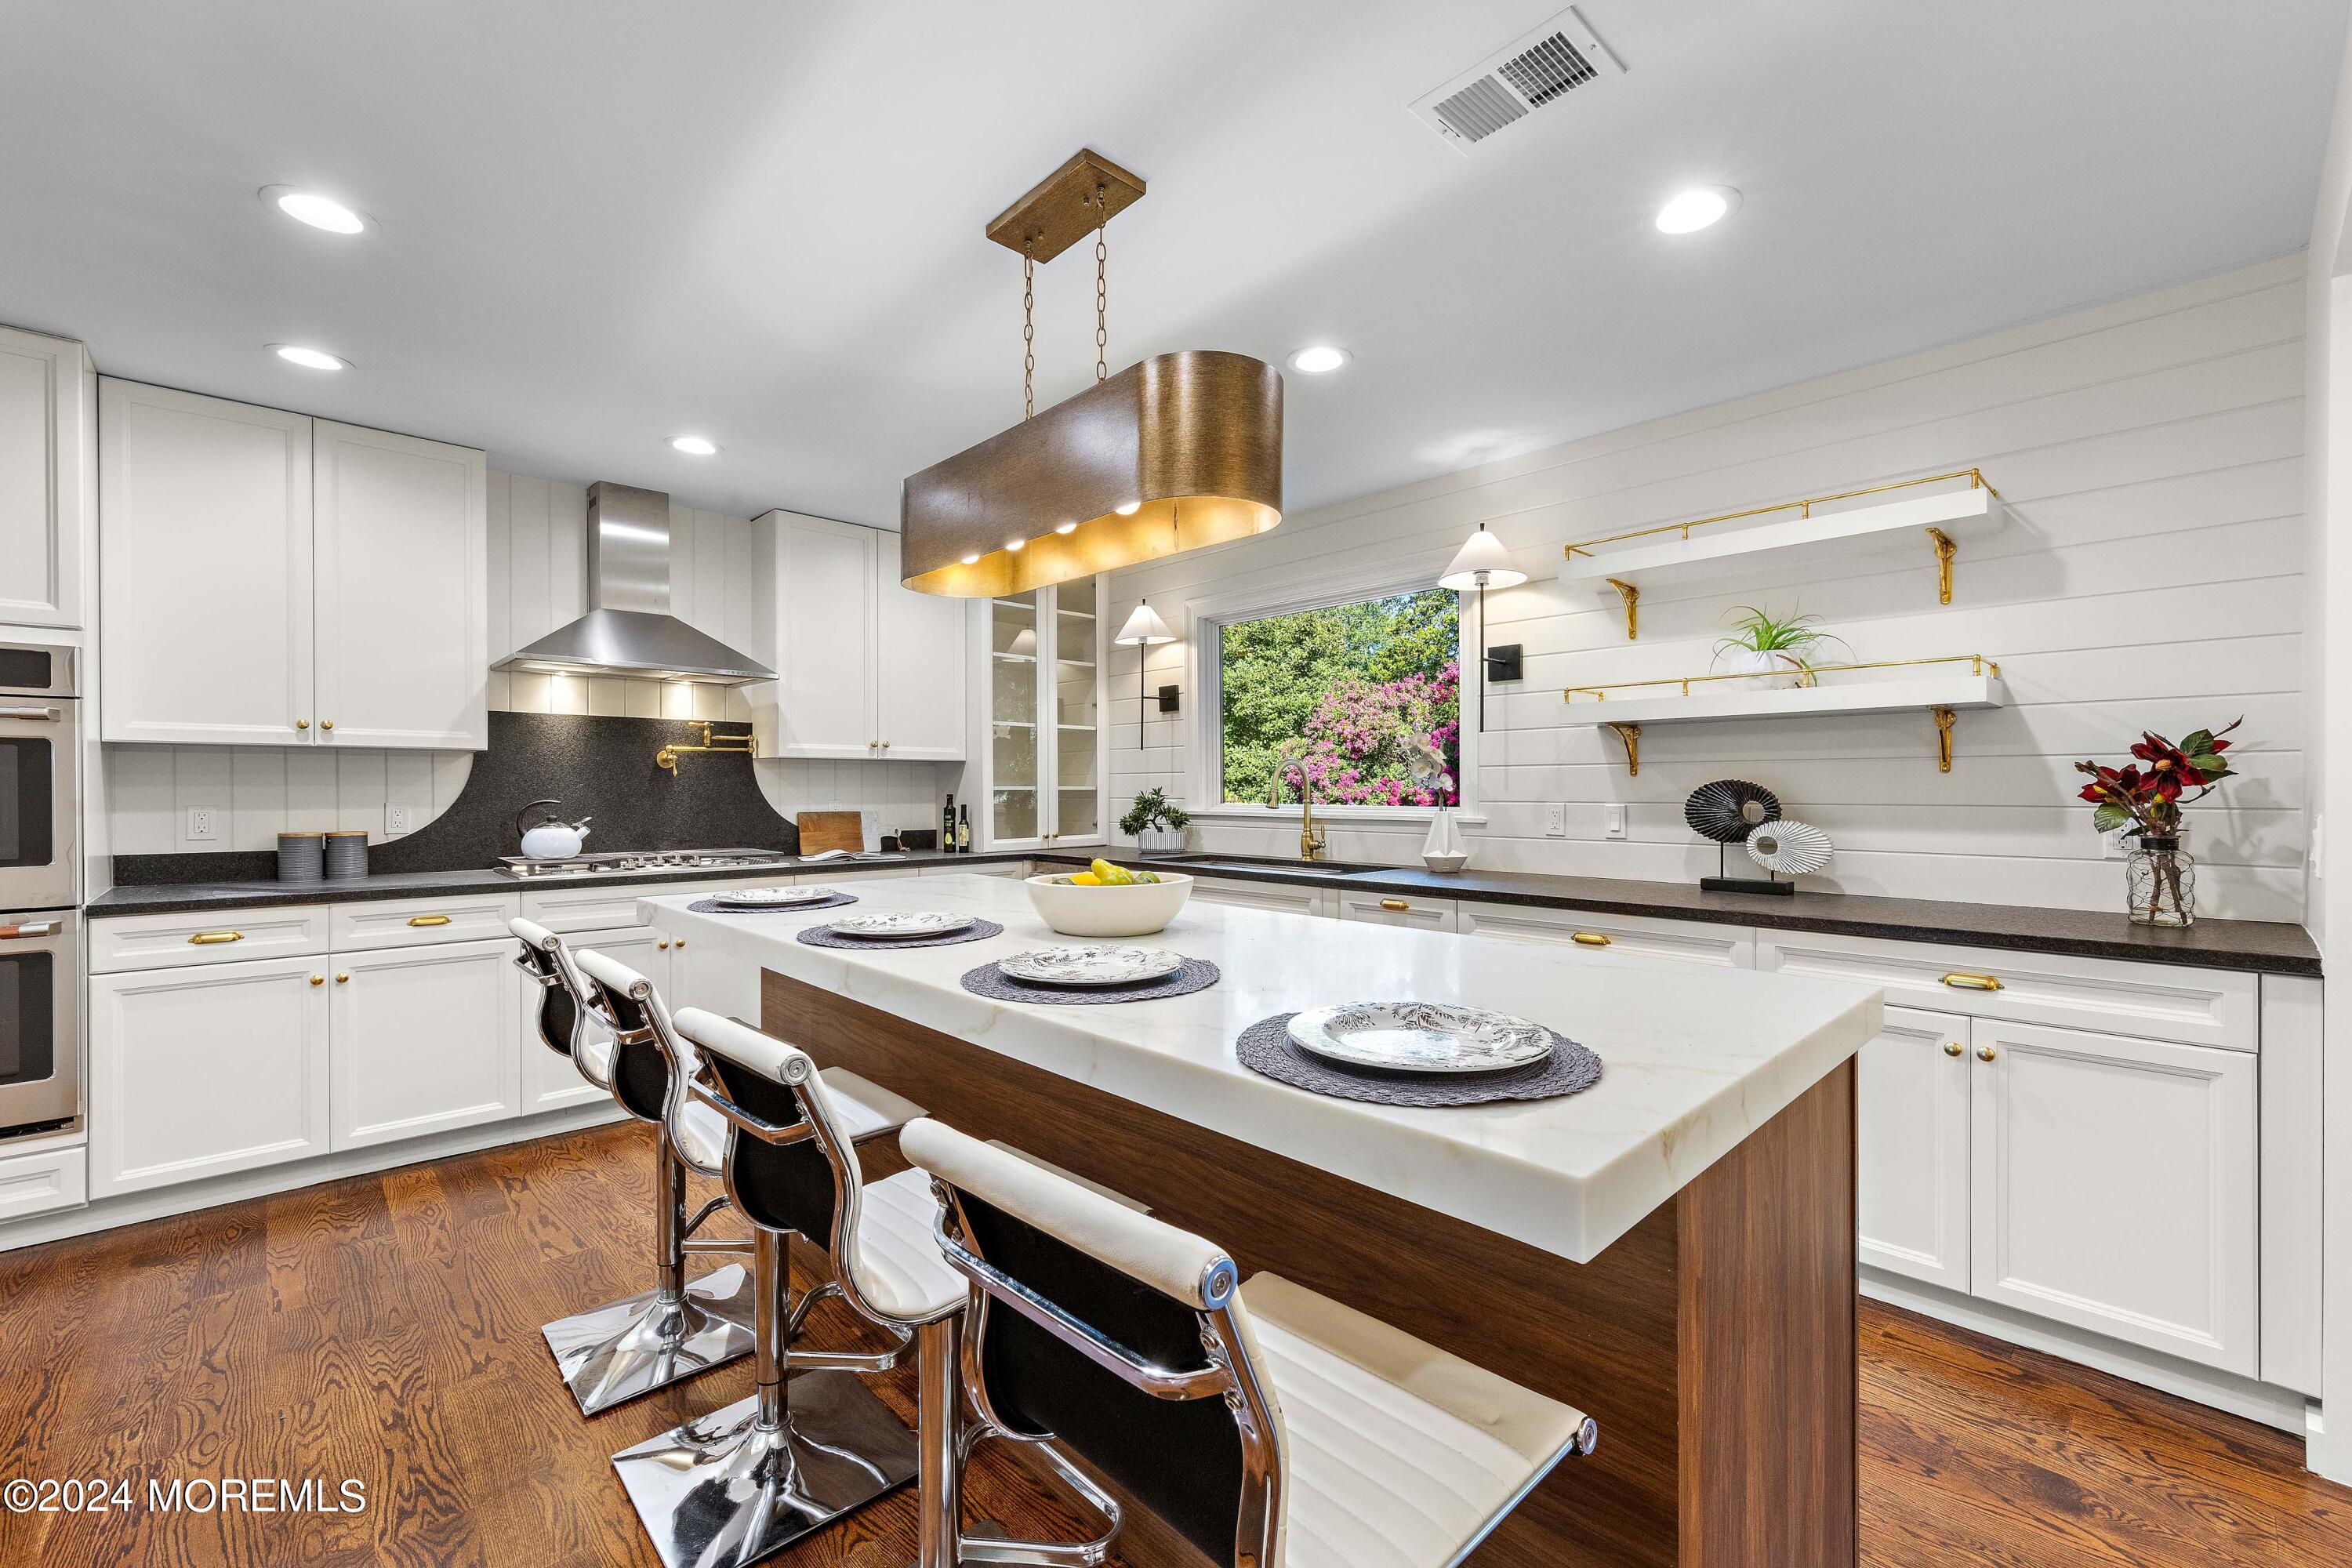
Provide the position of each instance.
(1310, 837)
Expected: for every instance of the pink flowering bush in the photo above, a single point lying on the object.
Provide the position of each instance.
(1394, 743)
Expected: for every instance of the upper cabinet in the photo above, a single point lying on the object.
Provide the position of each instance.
(868, 670)
(269, 579)
(45, 472)
(1044, 745)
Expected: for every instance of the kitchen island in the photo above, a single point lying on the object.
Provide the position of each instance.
(1671, 1250)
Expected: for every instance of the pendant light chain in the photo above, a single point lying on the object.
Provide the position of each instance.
(1102, 254)
(1029, 330)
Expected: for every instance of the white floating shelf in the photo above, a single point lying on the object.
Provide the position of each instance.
(1940, 696)
(1897, 529)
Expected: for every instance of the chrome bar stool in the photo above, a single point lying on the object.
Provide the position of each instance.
(1270, 1425)
(615, 1035)
(813, 1442)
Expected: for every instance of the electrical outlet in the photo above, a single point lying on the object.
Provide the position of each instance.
(1615, 822)
(1556, 820)
(201, 824)
(2113, 845)
(395, 821)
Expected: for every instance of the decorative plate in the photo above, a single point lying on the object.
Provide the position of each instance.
(1790, 848)
(933, 923)
(1095, 964)
(770, 897)
(1730, 809)
(1420, 1037)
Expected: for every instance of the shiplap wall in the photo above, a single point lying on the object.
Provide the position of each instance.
(538, 581)
(2150, 452)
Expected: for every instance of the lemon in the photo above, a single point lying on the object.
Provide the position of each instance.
(1086, 879)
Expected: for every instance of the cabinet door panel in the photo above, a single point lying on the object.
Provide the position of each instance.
(1395, 909)
(1615, 936)
(824, 639)
(198, 1072)
(1911, 1088)
(402, 591)
(205, 569)
(919, 663)
(2113, 1186)
(424, 1040)
(43, 436)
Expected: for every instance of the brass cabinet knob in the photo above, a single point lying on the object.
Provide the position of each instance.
(1394, 904)
(301, 724)
(679, 943)
(1984, 1053)
(326, 723)
(886, 745)
(318, 980)
(1951, 1048)
(661, 947)
(342, 979)
(1590, 938)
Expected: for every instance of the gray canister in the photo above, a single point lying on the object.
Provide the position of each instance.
(301, 857)
(347, 857)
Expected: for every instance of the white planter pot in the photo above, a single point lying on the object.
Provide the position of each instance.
(1763, 671)
(1160, 841)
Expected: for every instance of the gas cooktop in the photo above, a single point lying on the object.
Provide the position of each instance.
(642, 861)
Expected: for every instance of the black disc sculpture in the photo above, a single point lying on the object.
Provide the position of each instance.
(1728, 811)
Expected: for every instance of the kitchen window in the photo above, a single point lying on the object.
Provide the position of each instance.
(1366, 691)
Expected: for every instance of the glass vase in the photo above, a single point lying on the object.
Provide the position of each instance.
(2161, 882)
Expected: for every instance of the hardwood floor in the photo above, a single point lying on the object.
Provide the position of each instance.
(385, 1329)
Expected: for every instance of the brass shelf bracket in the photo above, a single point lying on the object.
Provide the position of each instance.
(1943, 737)
(1944, 550)
(1632, 736)
(1632, 594)
(726, 745)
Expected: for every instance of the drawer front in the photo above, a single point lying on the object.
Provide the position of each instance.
(1263, 896)
(2155, 1001)
(44, 1182)
(1397, 909)
(409, 922)
(1617, 936)
(1016, 870)
(218, 936)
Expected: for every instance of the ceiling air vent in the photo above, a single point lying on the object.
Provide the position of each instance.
(1507, 86)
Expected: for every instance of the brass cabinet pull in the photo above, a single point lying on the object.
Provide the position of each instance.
(343, 979)
(661, 946)
(207, 938)
(318, 980)
(1959, 982)
(326, 723)
(679, 943)
(301, 724)
(1951, 1048)
(1591, 938)
(1394, 904)
(1985, 1053)
(428, 920)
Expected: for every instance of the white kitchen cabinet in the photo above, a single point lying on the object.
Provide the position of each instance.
(1615, 936)
(1911, 1115)
(271, 579)
(867, 670)
(1043, 742)
(44, 1181)
(1014, 870)
(205, 569)
(201, 1071)
(207, 936)
(47, 426)
(1393, 909)
(402, 601)
(2112, 1186)
(703, 976)
(424, 1039)
(1280, 897)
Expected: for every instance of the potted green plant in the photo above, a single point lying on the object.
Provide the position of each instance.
(1157, 826)
(1772, 651)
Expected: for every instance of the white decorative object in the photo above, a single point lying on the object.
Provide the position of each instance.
(769, 898)
(913, 922)
(1091, 965)
(1773, 671)
(1421, 1036)
(1792, 848)
(1445, 850)
(1136, 908)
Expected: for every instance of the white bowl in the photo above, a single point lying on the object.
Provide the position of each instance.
(1137, 910)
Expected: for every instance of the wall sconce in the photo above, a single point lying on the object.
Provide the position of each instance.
(1482, 563)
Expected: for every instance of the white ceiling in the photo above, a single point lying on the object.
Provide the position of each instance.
(606, 222)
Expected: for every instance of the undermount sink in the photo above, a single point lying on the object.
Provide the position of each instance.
(1256, 865)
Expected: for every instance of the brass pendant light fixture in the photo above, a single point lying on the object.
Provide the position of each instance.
(1174, 453)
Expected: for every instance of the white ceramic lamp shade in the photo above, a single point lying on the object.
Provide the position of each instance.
(1481, 563)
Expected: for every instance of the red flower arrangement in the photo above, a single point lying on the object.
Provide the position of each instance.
(2150, 796)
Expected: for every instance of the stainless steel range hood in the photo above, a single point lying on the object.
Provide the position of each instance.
(629, 629)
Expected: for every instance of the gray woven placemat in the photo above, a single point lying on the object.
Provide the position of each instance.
(826, 936)
(1265, 1046)
(1197, 974)
(713, 907)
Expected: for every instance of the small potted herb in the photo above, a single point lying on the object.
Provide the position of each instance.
(1773, 652)
(2159, 877)
(1157, 826)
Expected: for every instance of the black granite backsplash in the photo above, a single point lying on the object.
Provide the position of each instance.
(599, 767)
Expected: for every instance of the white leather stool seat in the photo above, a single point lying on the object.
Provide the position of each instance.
(862, 1108)
(899, 1264)
(1400, 1454)
(701, 1136)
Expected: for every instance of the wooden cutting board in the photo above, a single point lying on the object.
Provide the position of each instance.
(831, 830)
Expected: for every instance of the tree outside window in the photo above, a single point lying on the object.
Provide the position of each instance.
(1356, 691)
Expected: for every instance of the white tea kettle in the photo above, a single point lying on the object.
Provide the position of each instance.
(550, 838)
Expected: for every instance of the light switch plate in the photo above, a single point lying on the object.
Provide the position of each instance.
(1615, 822)
(1556, 820)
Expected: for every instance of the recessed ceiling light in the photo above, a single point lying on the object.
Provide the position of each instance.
(309, 359)
(1694, 209)
(1129, 509)
(1073, 528)
(318, 211)
(1015, 546)
(694, 446)
(1320, 359)
(972, 560)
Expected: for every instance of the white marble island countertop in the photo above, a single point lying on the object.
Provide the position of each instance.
(1694, 1058)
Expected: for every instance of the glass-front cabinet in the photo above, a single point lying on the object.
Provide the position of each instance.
(1043, 756)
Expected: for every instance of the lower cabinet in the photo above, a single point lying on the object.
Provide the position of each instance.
(1911, 1154)
(1392, 909)
(423, 1039)
(1619, 936)
(1286, 899)
(204, 1070)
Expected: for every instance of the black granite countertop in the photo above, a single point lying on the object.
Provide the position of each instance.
(2271, 947)
(179, 898)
